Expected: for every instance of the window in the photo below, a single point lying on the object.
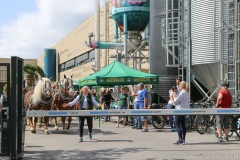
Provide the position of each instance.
(70, 64)
(92, 56)
(77, 61)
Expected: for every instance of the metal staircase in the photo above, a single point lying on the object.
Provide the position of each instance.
(230, 39)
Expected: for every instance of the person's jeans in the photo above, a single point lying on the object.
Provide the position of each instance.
(138, 122)
(107, 107)
(171, 121)
(181, 127)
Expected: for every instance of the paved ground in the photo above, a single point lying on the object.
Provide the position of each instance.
(125, 143)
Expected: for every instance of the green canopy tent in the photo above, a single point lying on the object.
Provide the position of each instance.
(117, 73)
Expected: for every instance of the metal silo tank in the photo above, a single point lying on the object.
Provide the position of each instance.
(157, 51)
(50, 63)
(205, 42)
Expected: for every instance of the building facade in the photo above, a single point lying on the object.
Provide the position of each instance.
(74, 57)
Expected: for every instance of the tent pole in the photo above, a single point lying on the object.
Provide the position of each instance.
(158, 95)
(125, 32)
(98, 108)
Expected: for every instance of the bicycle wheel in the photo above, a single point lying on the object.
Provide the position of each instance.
(201, 123)
(158, 122)
(189, 124)
(231, 127)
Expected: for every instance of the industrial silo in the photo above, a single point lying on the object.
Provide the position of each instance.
(157, 53)
(50, 63)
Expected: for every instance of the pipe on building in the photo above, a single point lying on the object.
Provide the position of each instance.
(105, 31)
(125, 32)
(97, 55)
(188, 70)
(110, 45)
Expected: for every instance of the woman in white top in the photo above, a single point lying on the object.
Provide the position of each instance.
(182, 102)
(172, 96)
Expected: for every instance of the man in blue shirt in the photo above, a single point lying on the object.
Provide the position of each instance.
(143, 104)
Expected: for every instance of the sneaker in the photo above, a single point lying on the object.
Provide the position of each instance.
(134, 127)
(178, 142)
(225, 139)
(140, 127)
(145, 130)
(173, 129)
(90, 136)
(117, 126)
(80, 140)
(183, 143)
(220, 139)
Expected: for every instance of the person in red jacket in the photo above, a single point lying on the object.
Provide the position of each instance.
(224, 100)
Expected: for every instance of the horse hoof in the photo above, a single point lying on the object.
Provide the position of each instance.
(56, 128)
(46, 132)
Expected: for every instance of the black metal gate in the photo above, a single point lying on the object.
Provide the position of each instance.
(12, 113)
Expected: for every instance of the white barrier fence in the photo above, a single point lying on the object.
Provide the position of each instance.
(131, 112)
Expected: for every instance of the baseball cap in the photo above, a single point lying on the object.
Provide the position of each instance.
(225, 84)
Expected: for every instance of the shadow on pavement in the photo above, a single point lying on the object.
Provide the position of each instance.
(213, 143)
(105, 154)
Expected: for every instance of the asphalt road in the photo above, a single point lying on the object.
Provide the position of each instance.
(126, 143)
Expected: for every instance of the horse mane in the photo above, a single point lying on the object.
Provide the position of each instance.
(38, 90)
(65, 80)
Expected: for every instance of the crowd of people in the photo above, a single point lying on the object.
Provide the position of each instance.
(179, 98)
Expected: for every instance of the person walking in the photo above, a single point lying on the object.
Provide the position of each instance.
(172, 96)
(86, 102)
(138, 122)
(143, 104)
(122, 104)
(224, 100)
(108, 99)
(182, 102)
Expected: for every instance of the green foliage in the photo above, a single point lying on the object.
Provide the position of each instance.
(34, 70)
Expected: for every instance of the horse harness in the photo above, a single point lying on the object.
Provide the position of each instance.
(45, 101)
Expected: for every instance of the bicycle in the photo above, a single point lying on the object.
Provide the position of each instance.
(159, 122)
(204, 122)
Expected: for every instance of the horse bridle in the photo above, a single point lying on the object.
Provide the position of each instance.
(69, 87)
(46, 89)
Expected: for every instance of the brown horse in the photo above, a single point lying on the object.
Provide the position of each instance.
(39, 99)
(63, 95)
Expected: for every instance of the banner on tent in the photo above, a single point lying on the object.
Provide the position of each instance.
(127, 80)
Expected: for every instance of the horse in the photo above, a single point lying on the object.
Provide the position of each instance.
(64, 95)
(39, 99)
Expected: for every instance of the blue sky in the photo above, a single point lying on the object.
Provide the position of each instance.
(10, 12)
(30, 26)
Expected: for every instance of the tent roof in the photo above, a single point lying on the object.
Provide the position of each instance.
(118, 73)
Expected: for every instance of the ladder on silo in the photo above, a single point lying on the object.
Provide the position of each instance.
(180, 39)
(230, 31)
(184, 43)
(170, 32)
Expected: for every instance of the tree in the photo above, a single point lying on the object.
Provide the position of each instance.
(34, 70)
